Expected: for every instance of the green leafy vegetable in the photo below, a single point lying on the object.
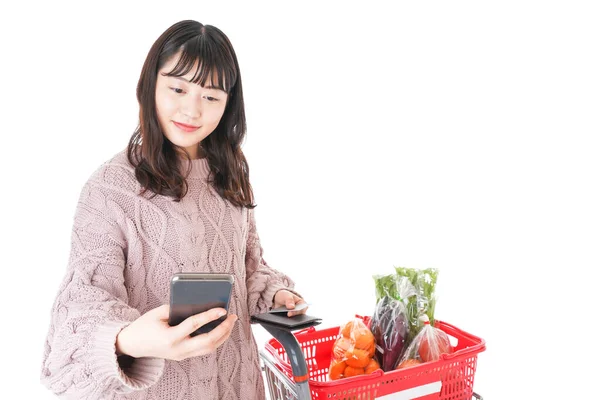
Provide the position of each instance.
(424, 282)
(385, 285)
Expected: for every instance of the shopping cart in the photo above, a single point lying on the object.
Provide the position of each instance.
(296, 367)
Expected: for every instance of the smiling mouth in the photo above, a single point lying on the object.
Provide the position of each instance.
(185, 128)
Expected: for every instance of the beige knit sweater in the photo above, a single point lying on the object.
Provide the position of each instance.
(125, 248)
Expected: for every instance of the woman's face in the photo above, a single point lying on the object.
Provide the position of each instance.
(187, 112)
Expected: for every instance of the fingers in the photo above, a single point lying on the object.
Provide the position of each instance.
(209, 342)
(291, 302)
(285, 298)
(299, 301)
(194, 322)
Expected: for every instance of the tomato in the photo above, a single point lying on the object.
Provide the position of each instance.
(411, 362)
(440, 346)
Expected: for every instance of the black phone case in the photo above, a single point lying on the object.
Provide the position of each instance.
(292, 323)
(194, 293)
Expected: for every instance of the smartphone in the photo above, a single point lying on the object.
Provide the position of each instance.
(196, 292)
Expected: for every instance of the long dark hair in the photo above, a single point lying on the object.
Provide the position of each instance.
(156, 159)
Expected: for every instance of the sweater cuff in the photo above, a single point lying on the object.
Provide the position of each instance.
(143, 372)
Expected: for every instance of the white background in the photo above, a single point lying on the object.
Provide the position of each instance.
(456, 135)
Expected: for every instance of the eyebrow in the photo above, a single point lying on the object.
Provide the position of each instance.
(186, 81)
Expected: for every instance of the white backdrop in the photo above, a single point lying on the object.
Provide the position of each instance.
(456, 135)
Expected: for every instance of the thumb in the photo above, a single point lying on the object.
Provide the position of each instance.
(289, 303)
(160, 312)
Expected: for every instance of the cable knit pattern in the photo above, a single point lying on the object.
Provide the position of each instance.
(125, 248)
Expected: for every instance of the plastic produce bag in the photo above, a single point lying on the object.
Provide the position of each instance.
(424, 281)
(429, 344)
(352, 352)
(390, 323)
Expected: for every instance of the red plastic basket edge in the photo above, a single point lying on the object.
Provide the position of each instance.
(462, 353)
(471, 350)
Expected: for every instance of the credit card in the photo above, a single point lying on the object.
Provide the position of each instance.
(284, 309)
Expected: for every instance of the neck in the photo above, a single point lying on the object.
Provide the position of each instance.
(196, 153)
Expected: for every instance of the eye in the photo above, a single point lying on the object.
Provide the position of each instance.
(176, 90)
(211, 99)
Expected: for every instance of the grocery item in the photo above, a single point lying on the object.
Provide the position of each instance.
(353, 351)
(390, 323)
(429, 344)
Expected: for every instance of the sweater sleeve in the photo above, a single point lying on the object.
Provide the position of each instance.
(262, 280)
(91, 308)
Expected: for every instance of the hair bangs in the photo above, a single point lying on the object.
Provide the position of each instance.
(211, 63)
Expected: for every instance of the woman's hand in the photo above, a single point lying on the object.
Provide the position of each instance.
(290, 301)
(151, 335)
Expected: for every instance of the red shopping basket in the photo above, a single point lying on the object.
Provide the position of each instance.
(450, 378)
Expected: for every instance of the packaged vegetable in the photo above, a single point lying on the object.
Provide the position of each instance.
(429, 344)
(390, 323)
(353, 351)
(409, 362)
(424, 281)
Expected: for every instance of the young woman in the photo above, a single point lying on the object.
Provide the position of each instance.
(178, 199)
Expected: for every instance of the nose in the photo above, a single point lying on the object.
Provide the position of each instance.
(191, 107)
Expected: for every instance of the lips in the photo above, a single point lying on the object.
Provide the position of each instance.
(185, 128)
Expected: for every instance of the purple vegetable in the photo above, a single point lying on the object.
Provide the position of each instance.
(390, 328)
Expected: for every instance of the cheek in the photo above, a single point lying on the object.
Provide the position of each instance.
(165, 107)
(216, 114)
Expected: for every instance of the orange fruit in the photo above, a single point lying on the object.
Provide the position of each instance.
(372, 366)
(411, 362)
(347, 329)
(336, 370)
(363, 339)
(353, 327)
(340, 347)
(371, 351)
(357, 358)
(351, 371)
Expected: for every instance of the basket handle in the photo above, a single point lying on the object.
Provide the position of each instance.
(305, 331)
(269, 347)
(452, 330)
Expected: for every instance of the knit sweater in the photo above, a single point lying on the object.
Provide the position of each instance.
(124, 249)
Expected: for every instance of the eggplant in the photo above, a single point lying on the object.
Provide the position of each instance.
(390, 328)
